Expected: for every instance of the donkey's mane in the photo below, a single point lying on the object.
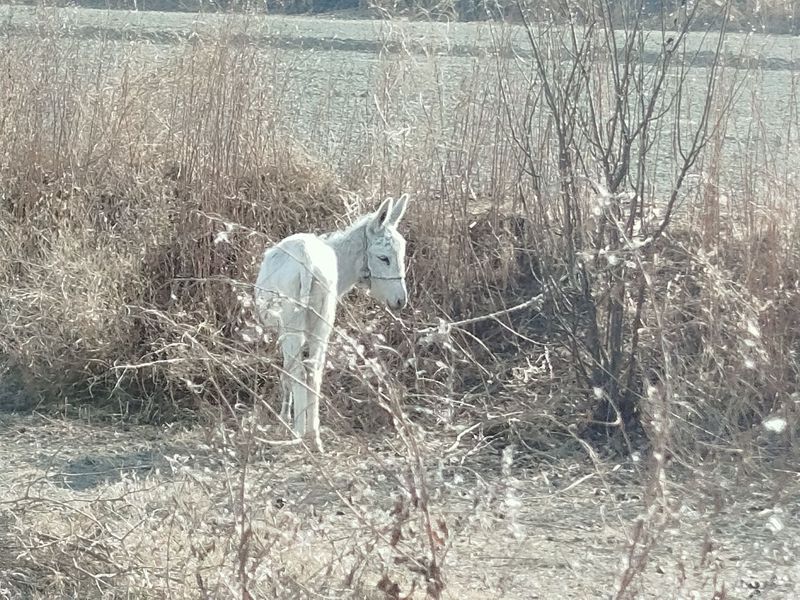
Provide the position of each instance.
(359, 223)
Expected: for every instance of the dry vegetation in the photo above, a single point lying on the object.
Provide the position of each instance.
(603, 332)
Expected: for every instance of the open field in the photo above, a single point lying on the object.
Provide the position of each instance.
(593, 392)
(159, 511)
(327, 70)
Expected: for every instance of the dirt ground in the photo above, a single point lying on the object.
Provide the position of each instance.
(110, 510)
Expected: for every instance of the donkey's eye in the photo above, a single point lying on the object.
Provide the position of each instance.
(384, 259)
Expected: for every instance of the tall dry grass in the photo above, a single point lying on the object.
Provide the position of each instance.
(120, 167)
(141, 183)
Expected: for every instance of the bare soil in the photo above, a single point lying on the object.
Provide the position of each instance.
(113, 510)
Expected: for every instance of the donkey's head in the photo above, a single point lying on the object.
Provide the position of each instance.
(386, 254)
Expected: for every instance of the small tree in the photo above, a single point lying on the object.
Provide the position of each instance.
(614, 97)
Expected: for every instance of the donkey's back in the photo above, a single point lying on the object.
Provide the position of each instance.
(294, 272)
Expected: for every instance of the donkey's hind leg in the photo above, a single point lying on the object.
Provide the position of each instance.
(286, 395)
(319, 326)
(272, 318)
(294, 377)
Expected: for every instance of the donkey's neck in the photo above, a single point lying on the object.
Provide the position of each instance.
(350, 248)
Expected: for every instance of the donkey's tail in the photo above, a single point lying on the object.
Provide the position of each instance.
(306, 285)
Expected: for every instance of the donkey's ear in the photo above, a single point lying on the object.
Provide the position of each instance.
(380, 217)
(398, 210)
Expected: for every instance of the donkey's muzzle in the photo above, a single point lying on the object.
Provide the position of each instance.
(398, 303)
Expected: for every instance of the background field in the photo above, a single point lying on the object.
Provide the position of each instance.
(593, 392)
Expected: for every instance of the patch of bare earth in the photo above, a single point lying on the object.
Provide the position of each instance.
(98, 510)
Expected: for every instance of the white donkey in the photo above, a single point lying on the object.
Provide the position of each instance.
(300, 281)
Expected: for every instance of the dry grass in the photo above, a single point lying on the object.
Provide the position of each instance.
(170, 513)
(138, 188)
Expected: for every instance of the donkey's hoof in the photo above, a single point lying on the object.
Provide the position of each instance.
(315, 443)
